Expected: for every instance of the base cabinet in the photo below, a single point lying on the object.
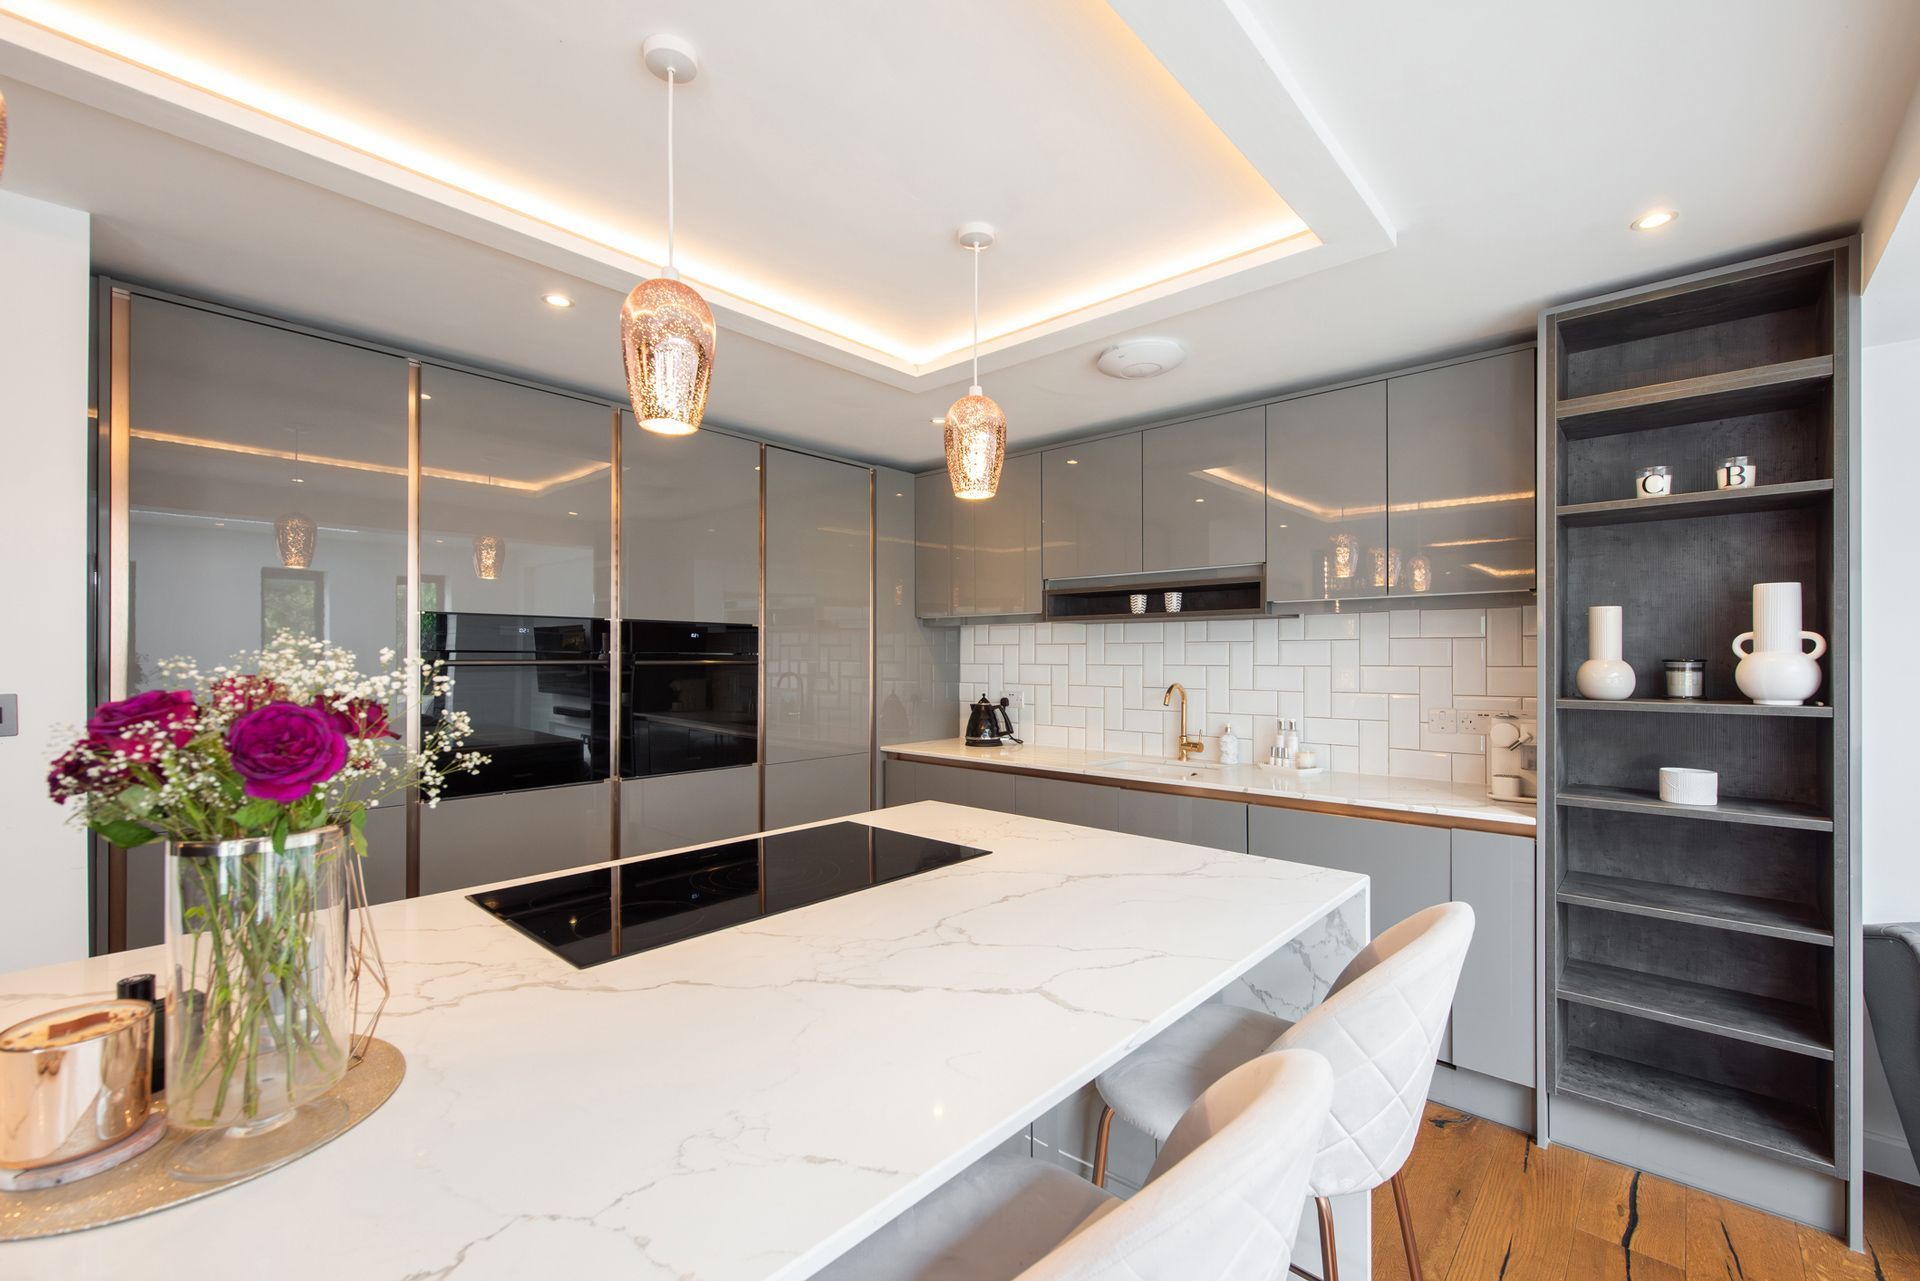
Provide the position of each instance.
(910, 781)
(675, 810)
(1192, 820)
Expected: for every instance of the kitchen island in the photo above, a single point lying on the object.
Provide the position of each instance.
(748, 1104)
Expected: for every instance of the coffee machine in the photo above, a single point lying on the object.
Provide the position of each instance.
(1513, 772)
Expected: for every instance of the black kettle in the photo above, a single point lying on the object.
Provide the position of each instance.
(988, 724)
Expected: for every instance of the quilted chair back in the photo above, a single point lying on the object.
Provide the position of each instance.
(1225, 1197)
(1380, 1028)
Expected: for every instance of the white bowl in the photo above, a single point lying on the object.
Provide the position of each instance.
(1689, 786)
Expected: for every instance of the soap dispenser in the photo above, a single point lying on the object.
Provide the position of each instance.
(1229, 746)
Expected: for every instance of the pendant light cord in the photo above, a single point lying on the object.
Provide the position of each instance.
(976, 318)
(670, 271)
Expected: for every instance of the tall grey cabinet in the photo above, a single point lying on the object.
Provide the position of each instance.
(817, 649)
(1460, 478)
(1203, 492)
(1090, 493)
(1326, 493)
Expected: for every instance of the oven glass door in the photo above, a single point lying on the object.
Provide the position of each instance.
(692, 694)
(537, 690)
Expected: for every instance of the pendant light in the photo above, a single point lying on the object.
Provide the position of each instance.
(489, 556)
(296, 534)
(666, 329)
(976, 427)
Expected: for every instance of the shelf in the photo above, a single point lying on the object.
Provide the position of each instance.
(1716, 909)
(1740, 1016)
(1708, 502)
(1718, 1111)
(1731, 809)
(1692, 707)
(1154, 616)
(1691, 400)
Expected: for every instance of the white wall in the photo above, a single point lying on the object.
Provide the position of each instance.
(1890, 621)
(44, 443)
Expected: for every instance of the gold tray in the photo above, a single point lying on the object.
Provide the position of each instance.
(142, 1185)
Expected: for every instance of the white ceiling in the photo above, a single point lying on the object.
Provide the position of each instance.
(1464, 163)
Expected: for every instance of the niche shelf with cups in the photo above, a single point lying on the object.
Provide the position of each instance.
(1702, 961)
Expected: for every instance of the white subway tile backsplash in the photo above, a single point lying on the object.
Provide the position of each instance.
(1432, 652)
(1333, 627)
(1469, 667)
(1373, 639)
(1361, 684)
(1529, 620)
(1453, 622)
(1390, 680)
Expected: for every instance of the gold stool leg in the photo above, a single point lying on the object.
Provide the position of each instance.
(1406, 1226)
(1100, 1149)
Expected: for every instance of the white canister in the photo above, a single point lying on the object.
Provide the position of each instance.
(1605, 675)
(1653, 482)
(1736, 473)
(1778, 671)
(1689, 786)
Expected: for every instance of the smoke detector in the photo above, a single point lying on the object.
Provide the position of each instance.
(1142, 358)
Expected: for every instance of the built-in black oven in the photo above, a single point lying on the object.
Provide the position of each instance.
(538, 692)
(691, 696)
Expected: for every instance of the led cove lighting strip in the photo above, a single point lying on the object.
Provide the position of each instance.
(59, 19)
(354, 464)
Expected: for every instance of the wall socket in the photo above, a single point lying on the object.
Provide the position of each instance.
(1442, 720)
(1475, 722)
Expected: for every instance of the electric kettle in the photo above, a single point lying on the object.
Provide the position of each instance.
(988, 724)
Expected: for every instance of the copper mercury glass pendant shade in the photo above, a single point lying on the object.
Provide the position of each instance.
(666, 337)
(489, 557)
(976, 436)
(297, 536)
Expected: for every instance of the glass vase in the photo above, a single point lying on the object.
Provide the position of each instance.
(260, 1012)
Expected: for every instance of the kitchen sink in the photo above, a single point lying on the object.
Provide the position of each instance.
(1166, 771)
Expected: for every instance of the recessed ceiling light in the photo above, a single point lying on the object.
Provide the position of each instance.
(556, 300)
(1654, 218)
(426, 395)
(299, 480)
(1199, 500)
(1073, 462)
(573, 513)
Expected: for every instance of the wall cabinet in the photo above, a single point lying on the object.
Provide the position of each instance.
(690, 526)
(1202, 496)
(1460, 476)
(1326, 494)
(979, 557)
(1090, 498)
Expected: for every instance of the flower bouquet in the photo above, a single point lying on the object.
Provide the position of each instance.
(258, 777)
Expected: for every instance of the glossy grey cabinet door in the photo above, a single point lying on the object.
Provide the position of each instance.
(826, 787)
(1192, 820)
(690, 526)
(1004, 540)
(817, 647)
(476, 840)
(916, 668)
(910, 781)
(933, 504)
(1203, 492)
(1090, 500)
(1327, 494)
(532, 469)
(673, 810)
(1493, 1012)
(1408, 868)
(1460, 476)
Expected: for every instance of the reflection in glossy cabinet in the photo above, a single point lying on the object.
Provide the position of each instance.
(915, 667)
(1202, 492)
(690, 516)
(818, 641)
(1327, 494)
(1460, 476)
(1090, 495)
(531, 469)
(1003, 537)
(933, 512)
(673, 810)
(238, 425)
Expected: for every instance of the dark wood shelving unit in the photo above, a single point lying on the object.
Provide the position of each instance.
(1702, 963)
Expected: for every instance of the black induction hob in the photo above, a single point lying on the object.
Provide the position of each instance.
(670, 897)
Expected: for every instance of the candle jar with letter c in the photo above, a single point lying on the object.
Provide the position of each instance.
(1653, 482)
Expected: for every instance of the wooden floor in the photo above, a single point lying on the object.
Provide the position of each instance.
(1490, 1206)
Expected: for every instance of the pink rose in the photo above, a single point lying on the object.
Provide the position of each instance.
(144, 725)
(284, 750)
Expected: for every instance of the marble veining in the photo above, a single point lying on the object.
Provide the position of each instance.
(1390, 793)
(741, 1106)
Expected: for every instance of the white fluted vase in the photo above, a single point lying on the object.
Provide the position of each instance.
(1777, 670)
(1605, 675)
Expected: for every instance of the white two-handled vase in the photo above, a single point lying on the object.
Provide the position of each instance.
(1776, 670)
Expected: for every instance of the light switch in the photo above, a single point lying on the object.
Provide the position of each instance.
(9, 715)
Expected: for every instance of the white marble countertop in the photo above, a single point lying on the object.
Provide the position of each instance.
(736, 1107)
(1370, 791)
